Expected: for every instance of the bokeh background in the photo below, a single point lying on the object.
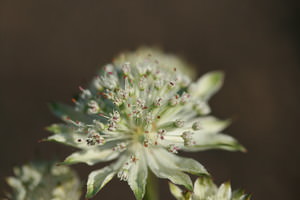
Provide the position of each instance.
(50, 47)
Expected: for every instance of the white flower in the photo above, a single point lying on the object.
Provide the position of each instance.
(44, 181)
(145, 109)
(205, 189)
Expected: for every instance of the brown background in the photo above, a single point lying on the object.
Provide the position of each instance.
(49, 47)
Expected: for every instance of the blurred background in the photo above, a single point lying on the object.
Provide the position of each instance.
(49, 48)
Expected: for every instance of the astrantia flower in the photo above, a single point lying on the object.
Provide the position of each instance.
(205, 189)
(141, 110)
(44, 181)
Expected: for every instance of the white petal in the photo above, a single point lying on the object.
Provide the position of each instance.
(62, 111)
(99, 178)
(224, 192)
(205, 141)
(204, 188)
(180, 163)
(92, 156)
(207, 85)
(138, 175)
(211, 124)
(166, 170)
(66, 135)
(176, 191)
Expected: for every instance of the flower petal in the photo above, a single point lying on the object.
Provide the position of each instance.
(91, 156)
(180, 163)
(138, 173)
(205, 141)
(224, 192)
(212, 124)
(62, 111)
(240, 195)
(99, 178)
(203, 188)
(66, 135)
(166, 170)
(207, 85)
(176, 191)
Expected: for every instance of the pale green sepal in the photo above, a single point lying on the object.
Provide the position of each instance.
(224, 192)
(240, 195)
(62, 111)
(180, 163)
(206, 141)
(138, 173)
(203, 188)
(166, 170)
(176, 191)
(210, 124)
(18, 187)
(91, 156)
(98, 179)
(207, 85)
(66, 135)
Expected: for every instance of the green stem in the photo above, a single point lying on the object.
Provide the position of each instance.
(152, 187)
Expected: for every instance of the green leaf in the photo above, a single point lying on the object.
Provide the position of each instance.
(162, 169)
(207, 85)
(138, 173)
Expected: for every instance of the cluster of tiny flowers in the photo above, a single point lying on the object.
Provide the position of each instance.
(44, 181)
(205, 189)
(136, 104)
(139, 109)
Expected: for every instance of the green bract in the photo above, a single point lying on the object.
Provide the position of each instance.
(140, 111)
(44, 181)
(205, 189)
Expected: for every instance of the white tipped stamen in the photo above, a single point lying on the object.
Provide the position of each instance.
(187, 137)
(123, 174)
(196, 126)
(126, 68)
(179, 123)
(93, 107)
(94, 138)
(161, 133)
(173, 148)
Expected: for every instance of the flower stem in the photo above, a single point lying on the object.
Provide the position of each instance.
(152, 187)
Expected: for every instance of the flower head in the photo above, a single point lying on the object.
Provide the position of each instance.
(44, 181)
(142, 110)
(205, 189)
